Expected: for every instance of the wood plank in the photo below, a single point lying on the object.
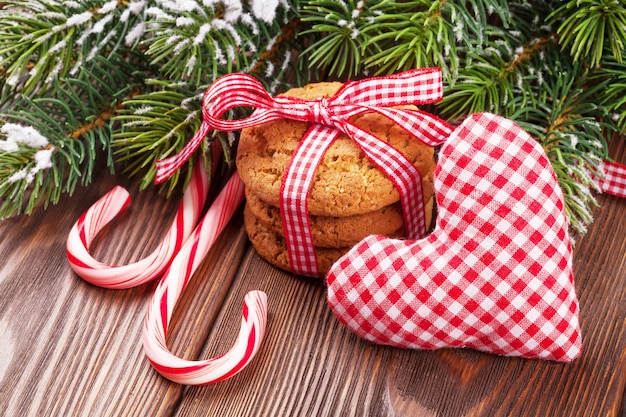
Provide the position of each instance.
(310, 365)
(69, 348)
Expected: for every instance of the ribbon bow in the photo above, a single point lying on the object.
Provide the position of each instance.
(330, 117)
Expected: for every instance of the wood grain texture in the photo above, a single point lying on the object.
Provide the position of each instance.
(69, 348)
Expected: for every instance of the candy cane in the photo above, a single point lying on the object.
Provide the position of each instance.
(110, 205)
(172, 285)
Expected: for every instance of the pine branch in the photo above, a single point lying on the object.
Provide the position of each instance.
(568, 123)
(72, 61)
(278, 66)
(406, 36)
(74, 128)
(341, 48)
(160, 121)
(500, 77)
(391, 35)
(524, 75)
(614, 97)
(201, 42)
(44, 41)
(157, 124)
(592, 29)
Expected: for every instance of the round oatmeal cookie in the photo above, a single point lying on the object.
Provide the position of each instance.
(339, 232)
(346, 183)
(271, 246)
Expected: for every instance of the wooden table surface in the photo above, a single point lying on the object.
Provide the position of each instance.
(68, 348)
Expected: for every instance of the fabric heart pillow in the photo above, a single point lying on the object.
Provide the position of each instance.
(496, 272)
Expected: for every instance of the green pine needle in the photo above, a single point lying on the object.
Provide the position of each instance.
(343, 44)
(155, 125)
(586, 27)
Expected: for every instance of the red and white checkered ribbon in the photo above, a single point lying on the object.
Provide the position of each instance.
(614, 179)
(330, 117)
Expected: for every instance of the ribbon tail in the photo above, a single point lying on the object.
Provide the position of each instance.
(166, 167)
(614, 180)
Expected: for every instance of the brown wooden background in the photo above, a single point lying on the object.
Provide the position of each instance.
(68, 348)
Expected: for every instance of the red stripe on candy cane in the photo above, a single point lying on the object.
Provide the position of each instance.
(152, 266)
(173, 283)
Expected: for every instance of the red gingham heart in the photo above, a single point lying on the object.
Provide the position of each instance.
(496, 272)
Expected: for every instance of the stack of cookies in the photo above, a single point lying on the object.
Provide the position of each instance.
(350, 198)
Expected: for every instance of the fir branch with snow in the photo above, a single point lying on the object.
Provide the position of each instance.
(44, 41)
(121, 82)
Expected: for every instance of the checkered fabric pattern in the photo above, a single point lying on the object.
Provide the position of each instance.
(293, 199)
(614, 180)
(495, 274)
(329, 118)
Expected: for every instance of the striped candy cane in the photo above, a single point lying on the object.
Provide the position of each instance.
(110, 205)
(172, 285)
